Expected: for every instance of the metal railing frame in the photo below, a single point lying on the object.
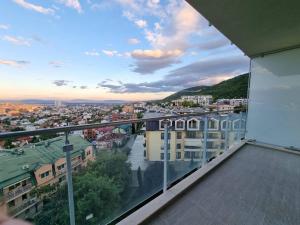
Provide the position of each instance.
(69, 147)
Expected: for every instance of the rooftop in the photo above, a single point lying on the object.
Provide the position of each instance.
(34, 155)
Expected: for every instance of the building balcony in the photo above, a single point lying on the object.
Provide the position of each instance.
(193, 142)
(23, 207)
(18, 191)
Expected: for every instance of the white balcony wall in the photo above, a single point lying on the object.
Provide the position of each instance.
(274, 101)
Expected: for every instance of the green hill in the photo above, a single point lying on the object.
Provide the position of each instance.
(236, 87)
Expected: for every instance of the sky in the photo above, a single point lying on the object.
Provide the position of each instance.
(116, 49)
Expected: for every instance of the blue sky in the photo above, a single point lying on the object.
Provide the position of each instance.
(117, 49)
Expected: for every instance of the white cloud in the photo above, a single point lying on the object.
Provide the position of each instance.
(141, 23)
(36, 8)
(128, 15)
(157, 26)
(4, 26)
(133, 41)
(14, 63)
(17, 40)
(75, 4)
(92, 53)
(129, 3)
(110, 52)
(153, 4)
(155, 54)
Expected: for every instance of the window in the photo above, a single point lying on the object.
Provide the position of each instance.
(46, 174)
(11, 204)
(236, 124)
(11, 188)
(88, 152)
(161, 124)
(212, 135)
(60, 167)
(162, 136)
(193, 124)
(163, 147)
(179, 124)
(213, 124)
(193, 134)
(178, 146)
(24, 197)
(187, 155)
(195, 155)
(179, 135)
(178, 155)
(211, 145)
(162, 156)
(24, 183)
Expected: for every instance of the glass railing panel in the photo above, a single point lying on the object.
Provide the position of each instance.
(114, 168)
(34, 185)
(119, 178)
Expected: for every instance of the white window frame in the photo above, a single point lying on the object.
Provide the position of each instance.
(215, 121)
(178, 128)
(229, 124)
(197, 124)
(160, 123)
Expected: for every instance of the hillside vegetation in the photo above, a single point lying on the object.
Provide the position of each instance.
(236, 87)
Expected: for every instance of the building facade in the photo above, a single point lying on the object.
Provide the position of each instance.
(186, 137)
(31, 167)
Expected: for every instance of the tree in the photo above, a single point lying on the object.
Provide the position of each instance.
(8, 143)
(98, 190)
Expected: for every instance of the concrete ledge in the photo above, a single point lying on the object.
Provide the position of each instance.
(162, 201)
(274, 147)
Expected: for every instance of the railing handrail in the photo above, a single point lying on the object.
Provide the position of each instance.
(17, 134)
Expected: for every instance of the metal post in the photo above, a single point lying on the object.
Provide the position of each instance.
(68, 149)
(227, 134)
(165, 155)
(240, 126)
(205, 141)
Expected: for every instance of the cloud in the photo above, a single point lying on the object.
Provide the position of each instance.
(74, 86)
(132, 4)
(36, 8)
(154, 4)
(13, 63)
(110, 52)
(204, 72)
(141, 23)
(56, 64)
(17, 40)
(83, 87)
(4, 26)
(74, 4)
(133, 41)
(149, 61)
(60, 83)
(150, 54)
(92, 53)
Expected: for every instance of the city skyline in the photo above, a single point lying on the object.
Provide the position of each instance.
(121, 49)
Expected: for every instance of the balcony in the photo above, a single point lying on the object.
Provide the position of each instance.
(26, 205)
(18, 191)
(153, 181)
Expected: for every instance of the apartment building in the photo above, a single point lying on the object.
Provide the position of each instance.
(202, 100)
(36, 165)
(233, 101)
(186, 137)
